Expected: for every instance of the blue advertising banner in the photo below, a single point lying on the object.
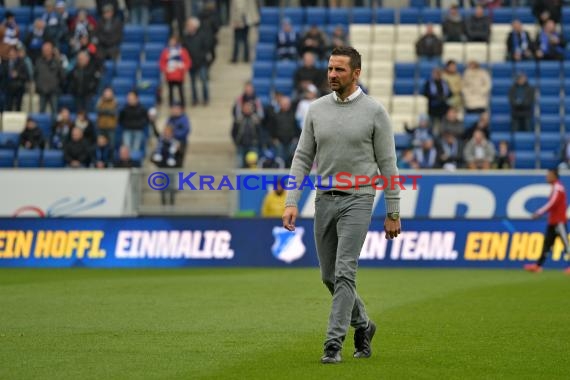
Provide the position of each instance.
(220, 242)
(441, 195)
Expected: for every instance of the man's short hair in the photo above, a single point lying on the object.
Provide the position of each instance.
(555, 172)
(348, 51)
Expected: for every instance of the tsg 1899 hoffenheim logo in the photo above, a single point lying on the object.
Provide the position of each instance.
(288, 246)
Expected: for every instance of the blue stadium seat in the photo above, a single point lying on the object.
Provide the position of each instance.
(29, 158)
(265, 52)
(419, 3)
(469, 119)
(157, 34)
(147, 86)
(131, 51)
(501, 87)
(66, 101)
(549, 105)
(285, 69)
(7, 158)
(265, 100)
(133, 34)
(157, 16)
(263, 70)
(500, 106)
(567, 122)
(524, 140)
(527, 67)
(122, 85)
(524, 14)
(316, 16)
(126, 69)
(23, 15)
(497, 137)
(361, 15)
(43, 121)
(549, 160)
(268, 34)
(269, 15)
(152, 52)
(404, 70)
(525, 159)
(565, 15)
(549, 87)
(385, 16)
(262, 86)
(295, 14)
(500, 123)
(108, 72)
(402, 140)
(425, 68)
(2, 13)
(549, 69)
(38, 12)
(338, 16)
(283, 85)
(550, 123)
(53, 158)
(150, 70)
(501, 70)
(147, 101)
(409, 15)
(404, 86)
(137, 156)
(502, 15)
(9, 140)
(432, 15)
(551, 142)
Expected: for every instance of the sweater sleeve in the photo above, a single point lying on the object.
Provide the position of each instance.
(385, 153)
(302, 161)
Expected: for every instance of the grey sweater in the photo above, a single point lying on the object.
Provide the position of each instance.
(355, 137)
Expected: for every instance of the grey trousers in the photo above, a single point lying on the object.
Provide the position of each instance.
(341, 224)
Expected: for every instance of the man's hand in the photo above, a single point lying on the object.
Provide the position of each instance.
(392, 228)
(289, 217)
(535, 215)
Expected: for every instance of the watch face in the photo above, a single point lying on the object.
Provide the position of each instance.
(394, 216)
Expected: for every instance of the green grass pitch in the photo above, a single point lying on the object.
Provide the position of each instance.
(270, 324)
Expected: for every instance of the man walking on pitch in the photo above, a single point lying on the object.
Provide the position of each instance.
(556, 207)
(345, 131)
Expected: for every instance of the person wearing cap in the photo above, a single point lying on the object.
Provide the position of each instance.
(287, 42)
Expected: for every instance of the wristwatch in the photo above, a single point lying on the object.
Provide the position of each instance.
(394, 215)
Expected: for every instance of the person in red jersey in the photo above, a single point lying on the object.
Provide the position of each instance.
(556, 208)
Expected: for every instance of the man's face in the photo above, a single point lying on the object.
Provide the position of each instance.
(47, 50)
(340, 75)
(550, 177)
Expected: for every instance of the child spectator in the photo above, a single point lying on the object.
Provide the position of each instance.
(174, 63)
(102, 155)
(32, 137)
(167, 155)
(505, 157)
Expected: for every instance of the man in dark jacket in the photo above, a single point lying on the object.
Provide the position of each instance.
(437, 92)
(521, 98)
(478, 26)
(197, 41)
(519, 44)
(49, 76)
(453, 27)
(17, 75)
(109, 34)
(83, 82)
(76, 152)
(246, 133)
(210, 23)
(134, 120)
(284, 131)
(545, 10)
(429, 46)
(32, 137)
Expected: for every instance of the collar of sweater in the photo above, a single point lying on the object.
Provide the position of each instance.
(354, 97)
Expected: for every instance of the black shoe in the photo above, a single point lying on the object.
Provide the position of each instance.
(362, 341)
(332, 355)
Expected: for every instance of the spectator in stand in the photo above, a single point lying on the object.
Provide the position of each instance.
(210, 24)
(21, 50)
(505, 157)
(274, 202)
(426, 154)
(479, 153)
(519, 43)
(248, 96)
(32, 137)
(49, 77)
(476, 88)
(102, 154)
(437, 91)
(308, 73)
(109, 34)
(124, 160)
(449, 152)
(452, 124)
(338, 38)
(545, 10)
(56, 27)
(139, 11)
(107, 115)
(565, 156)
(429, 46)
(478, 26)
(174, 63)
(268, 160)
(168, 155)
(421, 132)
(314, 41)
(549, 43)
(284, 131)
(35, 39)
(453, 78)
(61, 129)
(287, 42)
(480, 125)
(85, 45)
(82, 26)
(11, 34)
(243, 15)
(87, 127)
(407, 160)
(77, 151)
(309, 96)
(17, 75)
(197, 42)
(453, 27)
(134, 120)
(521, 99)
(83, 82)
(174, 10)
(181, 127)
(246, 132)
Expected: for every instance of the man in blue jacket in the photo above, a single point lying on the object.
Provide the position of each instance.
(180, 123)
